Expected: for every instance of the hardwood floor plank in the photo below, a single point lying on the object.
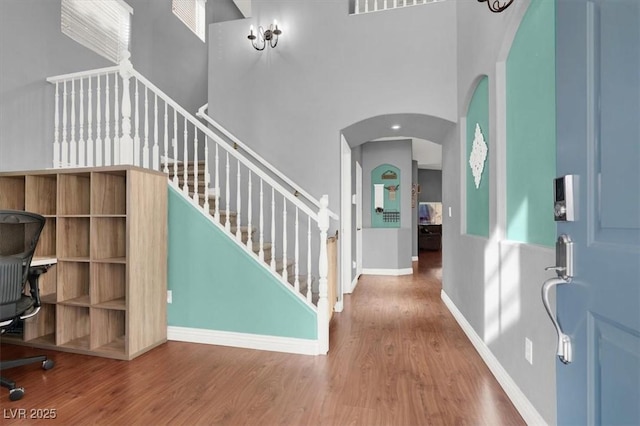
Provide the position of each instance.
(397, 357)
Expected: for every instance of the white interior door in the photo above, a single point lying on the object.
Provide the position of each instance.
(358, 219)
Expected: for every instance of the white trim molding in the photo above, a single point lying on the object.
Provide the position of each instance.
(414, 258)
(391, 272)
(290, 345)
(517, 397)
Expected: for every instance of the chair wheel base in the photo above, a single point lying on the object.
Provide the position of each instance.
(16, 394)
(48, 364)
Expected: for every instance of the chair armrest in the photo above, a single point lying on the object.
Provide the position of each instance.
(34, 287)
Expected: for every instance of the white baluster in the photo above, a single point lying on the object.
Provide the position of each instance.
(216, 212)
(117, 157)
(357, 7)
(395, 3)
(249, 216)
(136, 137)
(195, 166)
(99, 123)
(385, 5)
(65, 143)
(375, 5)
(296, 258)
(81, 146)
(166, 140)
(323, 268)
(285, 273)
(72, 143)
(174, 142)
(238, 206)
(273, 230)
(90, 140)
(185, 159)
(207, 176)
(56, 130)
(126, 154)
(404, 2)
(309, 297)
(107, 124)
(156, 149)
(227, 222)
(366, 6)
(261, 252)
(145, 148)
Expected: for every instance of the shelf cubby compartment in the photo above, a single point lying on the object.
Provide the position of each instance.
(73, 326)
(73, 238)
(74, 194)
(41, 193)
(109, 237)
(48, 283)
(108, 331)
(41, 329)
(47, 243)
(73, 283)
(109, 193)
(108, 285)
(12, 192)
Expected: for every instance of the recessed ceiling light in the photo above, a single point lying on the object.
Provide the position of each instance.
(395, 127)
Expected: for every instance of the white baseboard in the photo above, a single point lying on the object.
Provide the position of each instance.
(392, 272)
(339, 306)
(517, 397)
(354, 283)
(414, 258)
(243, 340)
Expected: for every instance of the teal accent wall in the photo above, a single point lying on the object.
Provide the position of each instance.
(531, 128)
(478, 198)
(217, 286)
(391, 198)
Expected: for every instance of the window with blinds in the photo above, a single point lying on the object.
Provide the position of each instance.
(103, 26)
(192, 14)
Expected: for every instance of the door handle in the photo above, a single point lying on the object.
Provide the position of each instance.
(564, 272)
(564, 341)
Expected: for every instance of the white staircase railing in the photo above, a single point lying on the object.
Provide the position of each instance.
(114, 115)
(367, 6)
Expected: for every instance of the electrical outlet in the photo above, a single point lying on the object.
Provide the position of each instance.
(528, 350)
(169, 296)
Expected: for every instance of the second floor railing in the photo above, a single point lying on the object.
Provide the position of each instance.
(358, 7)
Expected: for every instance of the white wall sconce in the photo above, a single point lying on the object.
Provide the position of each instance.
(497, 6)
(260, 38)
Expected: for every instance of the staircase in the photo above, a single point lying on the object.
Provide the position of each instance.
(267, 257)
(114, 116)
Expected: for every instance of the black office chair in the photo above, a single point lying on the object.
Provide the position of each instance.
(19, 234)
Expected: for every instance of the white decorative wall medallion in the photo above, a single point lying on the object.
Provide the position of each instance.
(478, 156)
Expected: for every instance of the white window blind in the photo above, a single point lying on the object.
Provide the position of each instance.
(103, 26)
(192, 14)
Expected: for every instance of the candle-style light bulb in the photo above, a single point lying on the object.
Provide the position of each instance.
(251, 29)
(275, 24)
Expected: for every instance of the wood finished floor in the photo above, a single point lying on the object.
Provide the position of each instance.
(397, 357)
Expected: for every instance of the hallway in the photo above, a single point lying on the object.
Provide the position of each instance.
(397, 357)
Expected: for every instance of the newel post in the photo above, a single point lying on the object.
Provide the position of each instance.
(323, 267)
(126, 141)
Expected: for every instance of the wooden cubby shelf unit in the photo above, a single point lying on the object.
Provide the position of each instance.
(107, 228)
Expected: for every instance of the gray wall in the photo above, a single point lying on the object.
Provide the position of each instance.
(430, 185)
(498, 289)
(290, 103)
(32, 48)
(396, 153)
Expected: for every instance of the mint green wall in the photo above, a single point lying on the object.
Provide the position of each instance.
(531, 128)
(216, 286)
(478, 198)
